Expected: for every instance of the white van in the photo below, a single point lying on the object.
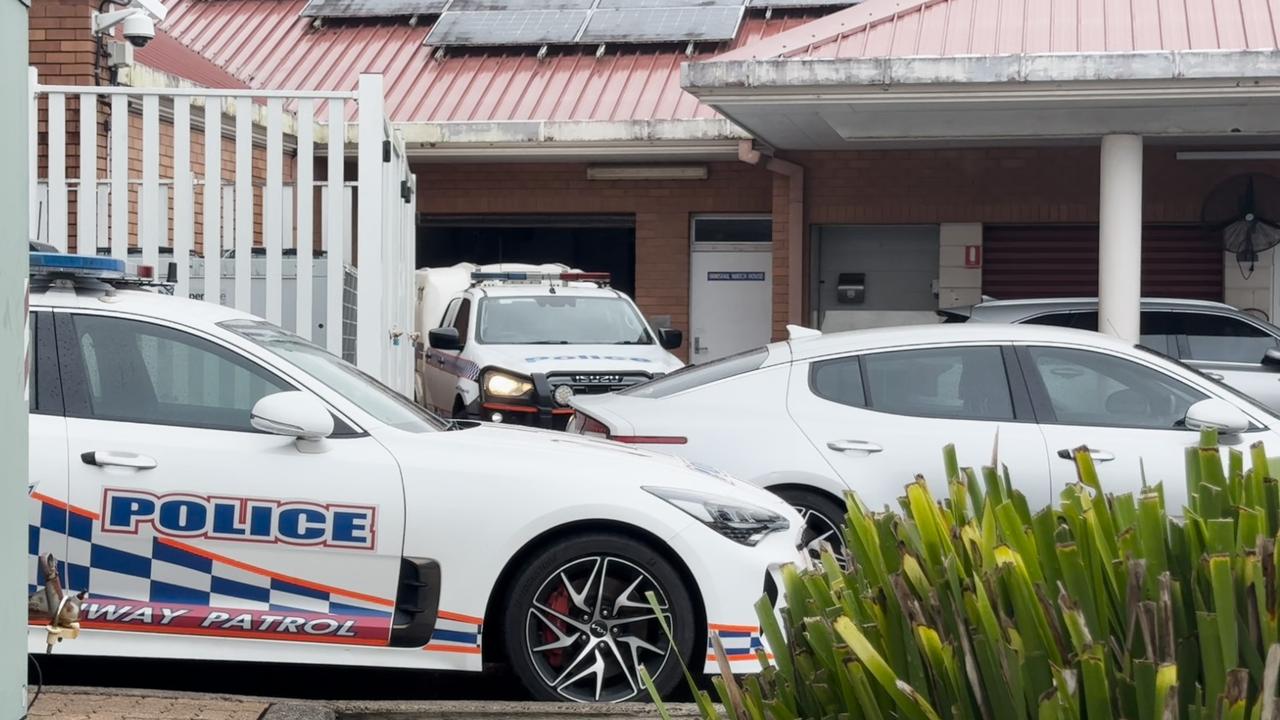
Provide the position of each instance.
(513, 343)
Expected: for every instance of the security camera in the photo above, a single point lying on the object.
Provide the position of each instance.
(139, 29)
(138, 20)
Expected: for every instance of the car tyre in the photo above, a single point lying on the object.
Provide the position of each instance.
(577, 621)
(824, 520)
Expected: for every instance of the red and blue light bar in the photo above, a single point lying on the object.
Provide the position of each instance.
(89, 266)
(541, 276)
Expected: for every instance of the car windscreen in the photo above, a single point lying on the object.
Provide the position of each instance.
(693, 376)
(560, 320)
(338, 375)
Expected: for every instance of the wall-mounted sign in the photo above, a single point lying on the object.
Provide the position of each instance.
(972, 256)
(736, 276)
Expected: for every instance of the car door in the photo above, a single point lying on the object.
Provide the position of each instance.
(882, 418)
(1230, 349)
(441, 380)
(1129, 414)
(202, 525)
(49, 522)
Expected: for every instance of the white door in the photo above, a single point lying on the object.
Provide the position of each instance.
(1128, 414)
(880, 419)
(731, 286)
(203, 525)
(439, 366)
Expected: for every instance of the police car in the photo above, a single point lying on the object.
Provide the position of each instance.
(224, 490)
(513, 343)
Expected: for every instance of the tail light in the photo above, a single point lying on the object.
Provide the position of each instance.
(583, 424)
(588, 425)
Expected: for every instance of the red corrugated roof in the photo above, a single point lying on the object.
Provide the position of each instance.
(166, 54)
(893, 28)
(265, 44)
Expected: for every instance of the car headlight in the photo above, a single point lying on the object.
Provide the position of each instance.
(740, 522)
(500, 384)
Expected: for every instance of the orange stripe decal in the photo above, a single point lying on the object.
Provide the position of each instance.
(734, 628)
(459, 649)
(64, 506)
(214, 632)
(278, 576)
(459, 617)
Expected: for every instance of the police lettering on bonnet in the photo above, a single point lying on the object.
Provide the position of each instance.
(515, 343)
(262, 520)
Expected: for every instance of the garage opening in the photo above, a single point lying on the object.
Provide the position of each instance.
(1036, 261)
(589, 242)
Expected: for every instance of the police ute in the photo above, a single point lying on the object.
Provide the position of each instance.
(513, 343)
(205, 485)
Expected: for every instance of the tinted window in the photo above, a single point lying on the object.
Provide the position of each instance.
(1156, 332)
(966, 382)
(838, 380)
(1059, 319)
(1222, 338)
(698, 375)
(1088, 388)
(44, 388)
(140, 372)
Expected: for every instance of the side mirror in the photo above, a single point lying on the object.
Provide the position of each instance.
(670, 338)
(1271, 359)
(294, 414)
(1215, 414)
(444, 338)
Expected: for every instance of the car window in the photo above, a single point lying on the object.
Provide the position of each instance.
(1222, 338)
(1056, 319)
(1081, 387)
(1156, 330)
(560, 320)
(964, 382)
(449, 310)
(462, 320)
(838, 380)
(44, 389)
(140, 372)
(694, 376)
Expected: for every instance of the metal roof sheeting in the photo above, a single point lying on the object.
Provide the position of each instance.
(892, 28)
(266, 44)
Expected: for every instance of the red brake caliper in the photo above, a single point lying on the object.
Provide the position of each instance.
(558, 601)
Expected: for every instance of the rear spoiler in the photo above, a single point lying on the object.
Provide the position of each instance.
(956, 314)
(795, 332)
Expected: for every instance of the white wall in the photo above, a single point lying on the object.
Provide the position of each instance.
(958, 285)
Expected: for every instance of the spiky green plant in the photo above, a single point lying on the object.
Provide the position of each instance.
(1105, 607)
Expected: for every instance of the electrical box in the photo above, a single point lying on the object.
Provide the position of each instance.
(851, 288)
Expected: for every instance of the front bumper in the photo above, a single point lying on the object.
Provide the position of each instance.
(540, 408)
(731, 579)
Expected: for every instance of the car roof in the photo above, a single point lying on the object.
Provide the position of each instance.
(941, 333)
(1091, 301)
(133, 301)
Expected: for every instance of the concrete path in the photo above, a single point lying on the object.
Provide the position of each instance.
(77, 703)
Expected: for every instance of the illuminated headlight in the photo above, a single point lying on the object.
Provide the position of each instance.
(740, 522)
(562, 394)
(500, 384)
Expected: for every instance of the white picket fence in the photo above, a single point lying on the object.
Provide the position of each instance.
(378, 204)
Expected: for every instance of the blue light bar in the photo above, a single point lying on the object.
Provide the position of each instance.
(53, 263)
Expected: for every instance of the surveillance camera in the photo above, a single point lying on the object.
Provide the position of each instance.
(139, 29)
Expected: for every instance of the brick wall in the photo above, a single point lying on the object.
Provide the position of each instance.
(662, 210)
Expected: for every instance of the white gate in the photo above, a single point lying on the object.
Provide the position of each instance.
(219, 202)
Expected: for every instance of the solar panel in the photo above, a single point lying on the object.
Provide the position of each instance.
(507, 27)
(668, 24)
(800, 3)
(616, 4)
(371, 8)
(491, 5)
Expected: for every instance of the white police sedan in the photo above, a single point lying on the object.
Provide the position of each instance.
(224, 490)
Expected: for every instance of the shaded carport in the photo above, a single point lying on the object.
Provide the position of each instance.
(950, 73)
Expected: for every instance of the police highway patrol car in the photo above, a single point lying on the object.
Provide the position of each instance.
(513, 343)
(224, 490)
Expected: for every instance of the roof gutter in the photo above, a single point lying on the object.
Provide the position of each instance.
(794, 173)
(1185, 75)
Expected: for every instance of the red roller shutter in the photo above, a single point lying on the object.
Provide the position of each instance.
(1062, 261)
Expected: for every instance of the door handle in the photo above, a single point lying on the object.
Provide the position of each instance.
(854, 446)
(698, 347)
(1214, 375)
(111, 458)
(1097, 455)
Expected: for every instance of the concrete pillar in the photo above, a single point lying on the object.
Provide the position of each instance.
(1120, 237)
(14, 185)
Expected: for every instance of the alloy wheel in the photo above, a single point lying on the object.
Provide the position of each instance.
(590, 628)
(820, 532)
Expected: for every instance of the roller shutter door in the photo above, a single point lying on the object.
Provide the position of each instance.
(1062, 261)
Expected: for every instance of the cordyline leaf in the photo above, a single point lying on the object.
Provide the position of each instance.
(908, 701)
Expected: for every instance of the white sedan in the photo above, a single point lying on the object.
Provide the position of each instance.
(868, 410)
(224, 490)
